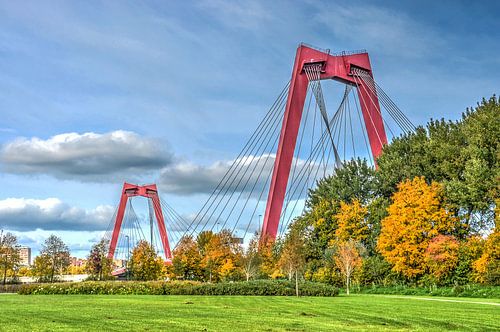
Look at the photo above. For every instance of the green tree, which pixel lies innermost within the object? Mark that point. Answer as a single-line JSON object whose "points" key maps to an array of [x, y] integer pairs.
{"points": [[468, 252], [355, 180], [462, 155], [375, 270], [145, 264], [9, 254], [475, 192], [98, 265]]}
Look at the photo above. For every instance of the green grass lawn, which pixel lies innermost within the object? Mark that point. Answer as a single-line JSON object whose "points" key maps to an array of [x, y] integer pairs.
{"points": [[240, 313]]}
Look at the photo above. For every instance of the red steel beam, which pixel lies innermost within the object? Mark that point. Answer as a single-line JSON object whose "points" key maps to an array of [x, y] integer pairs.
{"points": [[337, 67]]}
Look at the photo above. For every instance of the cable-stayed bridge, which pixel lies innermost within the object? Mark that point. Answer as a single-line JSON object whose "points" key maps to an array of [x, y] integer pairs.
{"points": [[298, 141]]}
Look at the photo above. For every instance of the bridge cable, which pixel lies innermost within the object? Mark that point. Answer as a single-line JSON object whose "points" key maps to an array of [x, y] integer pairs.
{"points": [[239, 159], [249, 146]]}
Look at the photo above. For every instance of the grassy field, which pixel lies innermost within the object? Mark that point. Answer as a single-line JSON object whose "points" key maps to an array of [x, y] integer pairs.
{"points": [[238, 313]]}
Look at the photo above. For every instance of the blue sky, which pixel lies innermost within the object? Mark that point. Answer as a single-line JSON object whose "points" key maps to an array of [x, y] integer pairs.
{"points": [[95, 93]]}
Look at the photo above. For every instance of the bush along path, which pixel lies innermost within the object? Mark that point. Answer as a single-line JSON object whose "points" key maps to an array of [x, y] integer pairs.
{"points": [[257, 287]]}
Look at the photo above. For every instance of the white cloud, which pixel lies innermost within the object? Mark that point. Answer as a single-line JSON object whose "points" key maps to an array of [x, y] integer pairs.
{"points": [[23, 214], [89, 156], [187, 178]]}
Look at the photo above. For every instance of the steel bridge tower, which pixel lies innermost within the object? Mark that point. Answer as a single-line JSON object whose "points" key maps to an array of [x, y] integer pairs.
{"points": [[337, 67]]}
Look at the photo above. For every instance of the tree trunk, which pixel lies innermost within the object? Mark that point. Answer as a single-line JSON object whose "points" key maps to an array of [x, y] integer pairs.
{"points": [[297, 283], [348, 277], [52, 271]]}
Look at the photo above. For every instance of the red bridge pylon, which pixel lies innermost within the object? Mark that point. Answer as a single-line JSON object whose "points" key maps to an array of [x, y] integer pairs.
{"points": [[342, 68], [151, 192]]}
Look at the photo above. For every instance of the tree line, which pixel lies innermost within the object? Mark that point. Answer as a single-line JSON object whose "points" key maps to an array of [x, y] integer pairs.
{"points": [[427, 215]]}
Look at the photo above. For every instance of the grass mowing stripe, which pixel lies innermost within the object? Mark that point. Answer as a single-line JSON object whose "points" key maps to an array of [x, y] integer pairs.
{"points": [[441, 300]]}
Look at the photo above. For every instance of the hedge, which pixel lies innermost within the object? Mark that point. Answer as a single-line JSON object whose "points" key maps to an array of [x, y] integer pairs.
{"points": [[257, 287], [456, 291], [10, 288]]}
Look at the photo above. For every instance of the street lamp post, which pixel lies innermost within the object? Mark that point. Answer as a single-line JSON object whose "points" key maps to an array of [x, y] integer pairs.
{"points": [[260, 227], [128, 255]]}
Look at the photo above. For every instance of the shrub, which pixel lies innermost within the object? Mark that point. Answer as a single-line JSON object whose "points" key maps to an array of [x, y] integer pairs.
{"points": [[10, 288], [255, 287], [459, 291]]}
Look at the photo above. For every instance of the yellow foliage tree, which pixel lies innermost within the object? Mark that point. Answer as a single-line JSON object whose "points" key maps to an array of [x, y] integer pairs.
{"points": [[187, 260], [322, 216], [268, 264], [145, 264], [487, 267], [292, 258], [220, 254], [352, 223], [416, 215], [227, 268], [73, 269]]}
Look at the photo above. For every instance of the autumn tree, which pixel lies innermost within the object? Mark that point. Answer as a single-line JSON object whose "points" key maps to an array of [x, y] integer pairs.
{"points": [[352, 222], [462, 155], [9, 254], [442, 257], [203, 239], [292, 259], [250, 258], [54, 259], [186, 263], [24, 271], [269, 256], [98, 265], [75, 269], [348, 258], [469, 251], [355, 181], [487, 267], [416, 215], [220, 256], [145, 264], [42, 268], [321, 218]]}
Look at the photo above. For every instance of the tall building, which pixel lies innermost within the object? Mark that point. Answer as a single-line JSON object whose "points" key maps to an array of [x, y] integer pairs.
{"points": [[25, 255], [75, 261]]}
